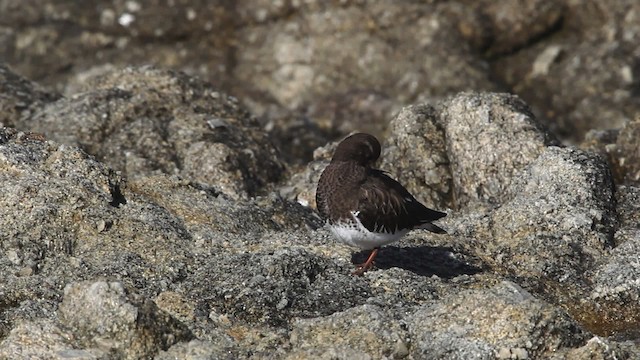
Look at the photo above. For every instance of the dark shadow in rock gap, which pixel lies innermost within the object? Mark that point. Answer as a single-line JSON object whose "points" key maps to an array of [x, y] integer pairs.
{"points": [[421, 260]]}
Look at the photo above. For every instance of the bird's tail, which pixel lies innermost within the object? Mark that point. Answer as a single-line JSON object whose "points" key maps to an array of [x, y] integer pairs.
{"points": [[433, 228]]}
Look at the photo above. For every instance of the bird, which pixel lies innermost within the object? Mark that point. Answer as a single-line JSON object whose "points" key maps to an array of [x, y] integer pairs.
{"points": [[364, 207]]}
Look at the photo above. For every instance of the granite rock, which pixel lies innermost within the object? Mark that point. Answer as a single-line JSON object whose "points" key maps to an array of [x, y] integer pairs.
{"points": [[118, 321], [144, 120], [162, 264]]}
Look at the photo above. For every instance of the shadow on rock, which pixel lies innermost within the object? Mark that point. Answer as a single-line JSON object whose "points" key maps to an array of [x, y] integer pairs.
{"points": [[421, 260]]}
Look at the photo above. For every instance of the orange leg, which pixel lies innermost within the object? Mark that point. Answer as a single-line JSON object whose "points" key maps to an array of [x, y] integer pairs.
{"points": [[362, 268]]}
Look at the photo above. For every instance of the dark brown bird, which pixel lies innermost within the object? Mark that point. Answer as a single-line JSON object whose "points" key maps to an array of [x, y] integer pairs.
{"points": [[364, 207]]}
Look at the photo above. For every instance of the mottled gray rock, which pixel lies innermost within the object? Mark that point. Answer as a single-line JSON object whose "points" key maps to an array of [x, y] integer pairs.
{"points": [[350, 64], [248, 276], [555, 224], [118, 321], [194, 350], [626, 153], [366, 329], [141, 120], [353, 53], [612, 307], [415, 154], [489, 139], [44, 340], [503, 26], [501, 321], [50, 41], [586, 66], [273, 287], [301, 186], [598, 348], [19, 97]]}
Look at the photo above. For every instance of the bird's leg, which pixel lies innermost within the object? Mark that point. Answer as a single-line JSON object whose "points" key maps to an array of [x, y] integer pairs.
{"points": [[362, 268]]}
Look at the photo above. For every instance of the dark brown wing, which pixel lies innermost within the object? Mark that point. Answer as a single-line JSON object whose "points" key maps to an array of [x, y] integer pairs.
{"points": [[385, 205]]}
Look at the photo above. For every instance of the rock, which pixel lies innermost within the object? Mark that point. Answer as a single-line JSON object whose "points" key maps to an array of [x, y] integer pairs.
{"points": [[415, 154], [194, 350], [611, 308], [301, 186], [493, 322], [557, 224], [273, 287], [626, 153], [366, 329], [51, 41], [574, 65], [600, 349], [503, 27], [238, 268], [107, 316], [19, 97], [350, 65], [141, 120], [506, 138], [356, 58], [44, 339]]}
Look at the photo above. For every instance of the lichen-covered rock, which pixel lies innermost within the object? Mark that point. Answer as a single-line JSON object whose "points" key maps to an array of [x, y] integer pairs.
{"points": [[273, 287], [195, 350], [558, 223], [365, 329], [415, 154], [625, 153], [141, 120], [489, 139], [501, 321], [121, 322], [19, 97], [44, 339], [612, 305], [351, 54]]}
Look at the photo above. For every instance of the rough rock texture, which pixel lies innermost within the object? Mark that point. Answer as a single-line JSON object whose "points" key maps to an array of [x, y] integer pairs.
{"points": [[349, 64], [297, 60], [44, 340], [503, 319], [616, 285], [558, 223], [19, 97], [122, 323], [584, 73], [143, 120], [366, 329], [191, 221], [489, 138], [415, 154]]}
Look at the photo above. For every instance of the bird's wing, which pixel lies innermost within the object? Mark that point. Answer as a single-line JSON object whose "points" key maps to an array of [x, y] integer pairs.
{"points": [[385, 204]]}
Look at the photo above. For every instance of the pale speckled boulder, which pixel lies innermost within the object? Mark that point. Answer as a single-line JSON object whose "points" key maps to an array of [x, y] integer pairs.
{"points": [[118, 321], [367, 329], [44, 339], [415, 154], [500, 321], [489, 139], [145, 120]]}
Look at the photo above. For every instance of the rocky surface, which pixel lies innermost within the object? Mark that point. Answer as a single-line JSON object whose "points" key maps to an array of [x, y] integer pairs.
{"points": [[352, 64], [140, 121], [145, 213]]}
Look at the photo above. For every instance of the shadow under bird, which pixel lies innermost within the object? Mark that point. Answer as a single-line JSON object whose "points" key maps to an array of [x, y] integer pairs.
{"points": [[363, 206]]}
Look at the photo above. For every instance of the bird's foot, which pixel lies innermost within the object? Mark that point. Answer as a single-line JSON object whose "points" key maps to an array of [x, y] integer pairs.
{"points": [[362, 268], [367, 265]]}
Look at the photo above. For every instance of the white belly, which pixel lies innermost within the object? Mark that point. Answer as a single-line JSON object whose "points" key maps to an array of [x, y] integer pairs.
{"points": [[357, 235]]}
